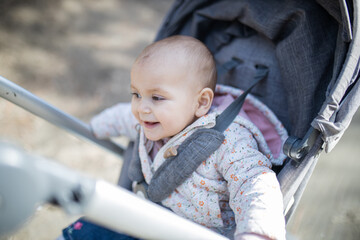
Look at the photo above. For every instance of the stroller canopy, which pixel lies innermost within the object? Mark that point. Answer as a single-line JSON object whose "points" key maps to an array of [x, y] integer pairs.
{"points": [[308, 46]]}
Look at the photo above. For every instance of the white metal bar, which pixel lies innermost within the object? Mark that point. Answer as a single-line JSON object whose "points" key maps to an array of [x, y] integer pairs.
{"points": [[37, 106], [125, 212]]}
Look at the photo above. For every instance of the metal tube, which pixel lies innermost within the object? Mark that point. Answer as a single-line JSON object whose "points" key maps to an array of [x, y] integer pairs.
{"points": [[125, 212], [42, 109]]}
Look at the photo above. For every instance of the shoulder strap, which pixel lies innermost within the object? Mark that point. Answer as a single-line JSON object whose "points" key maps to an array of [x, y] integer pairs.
{"points": [[228, 115]]}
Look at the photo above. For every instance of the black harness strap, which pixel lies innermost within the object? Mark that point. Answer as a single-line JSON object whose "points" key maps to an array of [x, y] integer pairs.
{"points": [[229, 114]]}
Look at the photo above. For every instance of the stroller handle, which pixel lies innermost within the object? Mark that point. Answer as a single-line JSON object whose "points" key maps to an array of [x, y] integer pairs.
{"points": [[40, 108]]}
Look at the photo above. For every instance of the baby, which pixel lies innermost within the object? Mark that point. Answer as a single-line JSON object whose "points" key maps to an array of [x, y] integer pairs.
{"points": [[174, 93]]}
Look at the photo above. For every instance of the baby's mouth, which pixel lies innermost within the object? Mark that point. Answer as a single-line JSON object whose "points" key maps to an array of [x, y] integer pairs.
{"points": [[150, 124]]}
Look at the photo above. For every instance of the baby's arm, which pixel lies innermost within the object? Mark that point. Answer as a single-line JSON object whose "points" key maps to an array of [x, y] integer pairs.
{"points": [[114, 122], [255, 195]]}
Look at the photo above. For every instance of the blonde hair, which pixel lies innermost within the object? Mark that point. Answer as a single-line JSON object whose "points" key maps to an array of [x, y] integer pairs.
{"points": [[197, 55]]}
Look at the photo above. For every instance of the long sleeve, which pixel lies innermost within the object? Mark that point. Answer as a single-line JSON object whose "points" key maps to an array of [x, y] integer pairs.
{"points": [[255, 195], [115, 121]]}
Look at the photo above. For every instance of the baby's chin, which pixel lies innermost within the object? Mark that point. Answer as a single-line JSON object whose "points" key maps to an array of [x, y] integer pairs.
{"points": [[152, 137], [155, 138]]}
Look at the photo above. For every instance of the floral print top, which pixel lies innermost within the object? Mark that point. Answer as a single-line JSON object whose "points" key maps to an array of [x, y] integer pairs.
{"points": [[234, 191]]}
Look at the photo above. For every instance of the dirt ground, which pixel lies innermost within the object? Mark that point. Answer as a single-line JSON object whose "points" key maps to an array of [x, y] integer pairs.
{"points": [[76, 55]]}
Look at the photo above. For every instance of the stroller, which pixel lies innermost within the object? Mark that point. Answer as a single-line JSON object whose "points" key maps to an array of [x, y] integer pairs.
{"points": [[311, 50]]}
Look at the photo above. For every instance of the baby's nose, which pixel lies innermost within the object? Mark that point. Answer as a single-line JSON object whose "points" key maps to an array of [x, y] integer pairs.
{"points": [[144, 107]]}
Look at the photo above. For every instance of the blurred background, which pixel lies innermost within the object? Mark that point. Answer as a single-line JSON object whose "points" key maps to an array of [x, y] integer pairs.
{"points": [[77, 56]]}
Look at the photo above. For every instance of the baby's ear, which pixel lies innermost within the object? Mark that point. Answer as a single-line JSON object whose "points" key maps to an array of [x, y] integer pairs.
{"points": [[205, 99]]}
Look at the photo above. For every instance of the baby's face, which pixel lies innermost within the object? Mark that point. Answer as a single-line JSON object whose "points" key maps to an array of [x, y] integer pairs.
{"points": [[164, 99]]}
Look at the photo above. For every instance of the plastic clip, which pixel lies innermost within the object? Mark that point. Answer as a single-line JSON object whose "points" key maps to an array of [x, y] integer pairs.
{"points": [[296, 148]]}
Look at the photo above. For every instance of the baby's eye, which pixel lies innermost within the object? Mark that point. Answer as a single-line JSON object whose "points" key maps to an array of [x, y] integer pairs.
{"points": [[136, 95], [158, 98]]}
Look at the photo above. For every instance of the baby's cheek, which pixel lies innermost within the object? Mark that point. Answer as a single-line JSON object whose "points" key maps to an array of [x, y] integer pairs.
{"points": [[134, 112]]}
